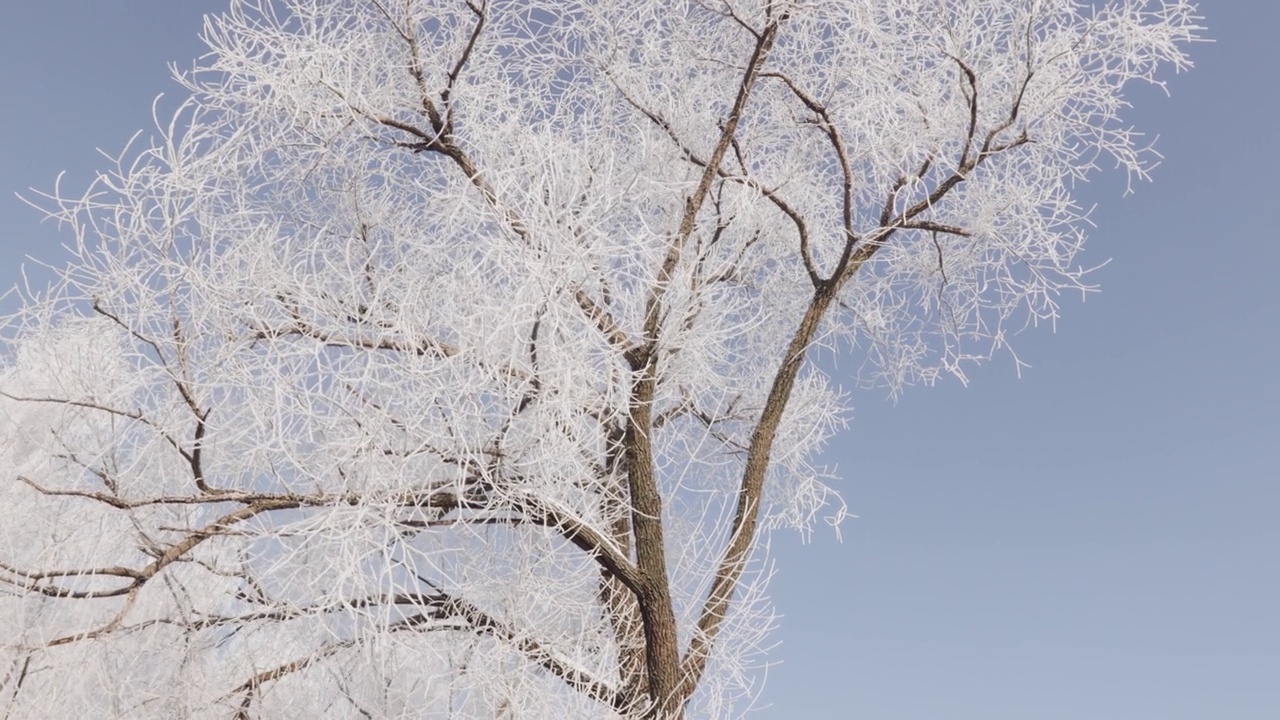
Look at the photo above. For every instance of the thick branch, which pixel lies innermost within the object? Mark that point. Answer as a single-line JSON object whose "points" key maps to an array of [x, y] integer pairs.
{"points": [[746, 517], [440, 609], [663, 659], [694, 203]]}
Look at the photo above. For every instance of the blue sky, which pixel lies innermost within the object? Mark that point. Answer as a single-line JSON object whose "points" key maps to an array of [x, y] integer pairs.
{"points": [[1094, 540]]}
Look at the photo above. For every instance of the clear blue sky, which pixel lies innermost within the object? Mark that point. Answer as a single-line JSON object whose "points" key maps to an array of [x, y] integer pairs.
{"points": [[1097, 539]]}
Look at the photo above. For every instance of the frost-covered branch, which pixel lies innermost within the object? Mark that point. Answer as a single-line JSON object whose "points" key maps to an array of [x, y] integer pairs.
{"points": [[450, 358]]}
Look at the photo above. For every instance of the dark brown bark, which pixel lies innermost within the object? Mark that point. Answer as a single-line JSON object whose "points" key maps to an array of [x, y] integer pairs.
{"points": [[746, 517], [662, 652], [662, 645], [620, 604]]}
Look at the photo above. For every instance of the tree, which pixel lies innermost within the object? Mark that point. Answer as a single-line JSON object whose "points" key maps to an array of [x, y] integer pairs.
{"points": [[455, 359]]}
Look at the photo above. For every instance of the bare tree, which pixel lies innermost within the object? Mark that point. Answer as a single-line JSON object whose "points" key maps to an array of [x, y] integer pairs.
{"points": [[451, 358]]}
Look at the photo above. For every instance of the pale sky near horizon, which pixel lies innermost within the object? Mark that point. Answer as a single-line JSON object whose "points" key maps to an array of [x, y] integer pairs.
{"points": [[1096, 539]]}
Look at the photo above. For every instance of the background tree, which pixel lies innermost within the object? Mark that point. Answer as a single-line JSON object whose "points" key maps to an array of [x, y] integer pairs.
{"points": [[449, 359]]}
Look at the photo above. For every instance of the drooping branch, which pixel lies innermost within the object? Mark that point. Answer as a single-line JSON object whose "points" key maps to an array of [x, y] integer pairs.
{"points": [[527, 508], [32, 581], [442, 611], [134, 415]]}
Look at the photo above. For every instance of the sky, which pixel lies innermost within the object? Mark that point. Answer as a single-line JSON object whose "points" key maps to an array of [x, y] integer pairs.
{"points": [[1094, 539]]}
